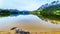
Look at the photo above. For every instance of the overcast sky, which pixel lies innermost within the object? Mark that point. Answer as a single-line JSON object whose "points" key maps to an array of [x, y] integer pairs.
{"points": [[23, 4]]}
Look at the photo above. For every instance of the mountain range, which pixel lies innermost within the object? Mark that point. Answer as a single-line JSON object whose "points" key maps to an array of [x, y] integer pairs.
{"points": [[48, 5]]}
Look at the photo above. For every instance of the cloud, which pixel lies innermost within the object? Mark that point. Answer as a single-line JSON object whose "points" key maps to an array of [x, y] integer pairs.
{"points": [[1, 3], [22, 4]]}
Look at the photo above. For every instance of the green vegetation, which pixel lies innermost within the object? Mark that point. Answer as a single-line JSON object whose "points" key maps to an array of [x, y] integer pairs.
{"points": [[52, 13], [4, 13], [7, 12]]}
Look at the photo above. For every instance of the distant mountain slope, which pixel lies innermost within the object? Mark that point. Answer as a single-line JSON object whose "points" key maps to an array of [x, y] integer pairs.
{"points": [[50, 11], [47, 5], [14, 10]]}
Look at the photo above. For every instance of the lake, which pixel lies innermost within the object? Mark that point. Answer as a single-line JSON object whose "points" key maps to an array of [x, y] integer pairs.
{"points": [[26, 22]]}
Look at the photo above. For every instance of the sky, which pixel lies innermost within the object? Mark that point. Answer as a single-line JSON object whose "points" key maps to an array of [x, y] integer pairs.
{"points": [[23, 4]]}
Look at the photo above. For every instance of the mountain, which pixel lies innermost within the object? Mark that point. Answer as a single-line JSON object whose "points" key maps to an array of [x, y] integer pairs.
{"points": [[50, 12], [47, 5], [14, 10]]}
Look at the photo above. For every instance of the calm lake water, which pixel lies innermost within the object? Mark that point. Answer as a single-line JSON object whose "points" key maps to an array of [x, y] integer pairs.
{"points": [[25, 22]]}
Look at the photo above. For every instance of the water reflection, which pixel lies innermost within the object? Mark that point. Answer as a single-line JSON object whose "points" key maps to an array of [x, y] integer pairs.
{"points": [[15, 21], [6, 15], [26, 22]]}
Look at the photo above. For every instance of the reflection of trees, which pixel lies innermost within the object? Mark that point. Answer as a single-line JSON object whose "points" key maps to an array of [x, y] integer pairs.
{"points": [[50, 13], [55, 22], [6, 12]]}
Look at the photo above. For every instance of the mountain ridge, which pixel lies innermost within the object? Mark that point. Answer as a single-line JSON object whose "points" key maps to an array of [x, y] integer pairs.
{"points": [[48, 5]]}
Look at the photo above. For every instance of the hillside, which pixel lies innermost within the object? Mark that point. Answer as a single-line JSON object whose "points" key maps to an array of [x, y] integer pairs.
{"points": [[51, 12]]}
